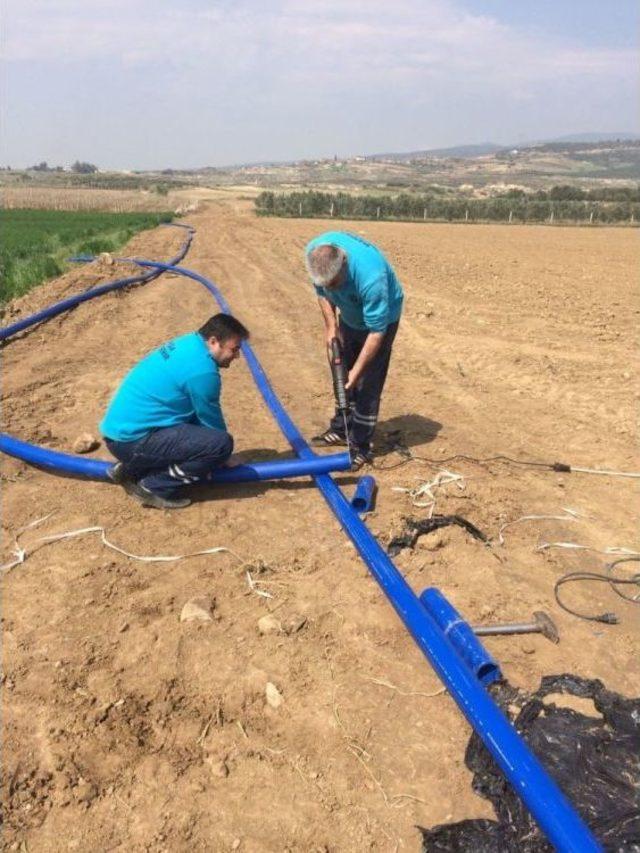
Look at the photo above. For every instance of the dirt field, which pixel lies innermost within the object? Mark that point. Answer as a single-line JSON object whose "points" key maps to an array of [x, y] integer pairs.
{"points": [[125, 728]]}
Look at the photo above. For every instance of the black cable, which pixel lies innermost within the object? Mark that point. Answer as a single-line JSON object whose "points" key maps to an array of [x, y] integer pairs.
{"points": [[636, 578], [606, 618]]}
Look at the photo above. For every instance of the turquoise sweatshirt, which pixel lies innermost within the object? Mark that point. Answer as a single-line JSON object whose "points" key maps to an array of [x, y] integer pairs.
{"points": [[371, 296], [177, 383]]}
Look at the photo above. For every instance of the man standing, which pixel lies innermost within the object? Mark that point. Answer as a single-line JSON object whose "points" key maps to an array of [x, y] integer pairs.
{"points": [[353, 276], [165, 423]]}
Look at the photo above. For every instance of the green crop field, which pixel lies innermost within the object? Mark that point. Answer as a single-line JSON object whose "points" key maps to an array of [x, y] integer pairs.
{"points": [[36, 243]]}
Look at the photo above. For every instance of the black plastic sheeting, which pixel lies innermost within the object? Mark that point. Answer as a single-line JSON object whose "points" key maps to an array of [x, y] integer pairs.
{"points": [[595, 760], [419, 527]]}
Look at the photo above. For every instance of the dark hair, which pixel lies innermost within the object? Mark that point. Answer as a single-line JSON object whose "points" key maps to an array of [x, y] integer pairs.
{"points": [[222, 327]]}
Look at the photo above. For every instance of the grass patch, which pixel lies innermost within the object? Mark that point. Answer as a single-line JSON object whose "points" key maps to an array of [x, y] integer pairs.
{"points": [[36, 243]]}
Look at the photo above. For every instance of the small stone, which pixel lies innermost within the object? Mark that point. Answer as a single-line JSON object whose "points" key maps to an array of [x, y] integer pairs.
{"points": [[124, 627], [236, 844], [198, 610], [217, 767], [85, 792], [528, 650], [268, 625], [85, 443], [274, 697], [294, 624]]}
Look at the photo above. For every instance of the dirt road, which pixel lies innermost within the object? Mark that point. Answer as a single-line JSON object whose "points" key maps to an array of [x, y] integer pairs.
{"points": [[125, 729]]}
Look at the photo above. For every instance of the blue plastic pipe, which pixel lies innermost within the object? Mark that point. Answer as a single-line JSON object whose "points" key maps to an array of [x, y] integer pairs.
{"points": [[364, 495], [98, 469], [72, 301], [554, 814], [461, 636], [564, 828]]}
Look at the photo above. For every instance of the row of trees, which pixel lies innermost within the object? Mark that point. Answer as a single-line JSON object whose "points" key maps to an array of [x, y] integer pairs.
{"points": [[415, 207], [566, 192], [79, 167]]}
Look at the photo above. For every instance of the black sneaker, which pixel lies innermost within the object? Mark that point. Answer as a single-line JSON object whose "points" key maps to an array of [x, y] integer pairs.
{"points": [[360, 458], [151, 499], [329, 438]]}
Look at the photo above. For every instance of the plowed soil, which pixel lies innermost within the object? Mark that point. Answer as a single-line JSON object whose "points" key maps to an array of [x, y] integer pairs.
{"points": [[127, 729]]}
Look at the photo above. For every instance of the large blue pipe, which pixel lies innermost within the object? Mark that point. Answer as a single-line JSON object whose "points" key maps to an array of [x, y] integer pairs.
{"points": [[97, 469], [72, 301], [557, 819], [551, 809]]}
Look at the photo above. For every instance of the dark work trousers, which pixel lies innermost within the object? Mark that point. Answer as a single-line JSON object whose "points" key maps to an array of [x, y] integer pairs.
{"points": [[170, 458], [365, 397]]}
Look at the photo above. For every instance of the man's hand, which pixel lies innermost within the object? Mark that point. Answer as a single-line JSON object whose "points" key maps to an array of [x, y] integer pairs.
{"points": [[335, 333], [352, 379], [372, 344]]}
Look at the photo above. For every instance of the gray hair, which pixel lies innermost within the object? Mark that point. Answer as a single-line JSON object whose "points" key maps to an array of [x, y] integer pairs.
{"points": [[324, 263]]}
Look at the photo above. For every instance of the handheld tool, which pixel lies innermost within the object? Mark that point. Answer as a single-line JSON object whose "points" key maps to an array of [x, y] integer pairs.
{"points": [[339, 375], [542, 624]]}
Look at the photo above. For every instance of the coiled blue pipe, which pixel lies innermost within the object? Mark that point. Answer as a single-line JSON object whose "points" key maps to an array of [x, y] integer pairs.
{"points": [[97, 469], [460, 635], [544, 799], [560, 823], [364, 495], [72, 301]]}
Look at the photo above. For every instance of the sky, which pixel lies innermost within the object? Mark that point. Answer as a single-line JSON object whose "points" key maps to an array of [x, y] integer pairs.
{"points": [[147, 84]]}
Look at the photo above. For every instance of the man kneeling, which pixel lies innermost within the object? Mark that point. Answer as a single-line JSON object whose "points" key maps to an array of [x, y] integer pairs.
{"points": [[165, 424]]}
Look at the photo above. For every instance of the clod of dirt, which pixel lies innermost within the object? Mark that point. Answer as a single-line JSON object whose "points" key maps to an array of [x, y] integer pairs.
{"points": [[268, 625], [274, 697], [294, 624], [198, 610], [217, 766], [85, 443], [85, 792]]}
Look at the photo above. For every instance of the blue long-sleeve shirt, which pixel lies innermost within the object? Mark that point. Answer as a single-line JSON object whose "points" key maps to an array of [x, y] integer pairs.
{"points": [[175, 384], [371, 296]]}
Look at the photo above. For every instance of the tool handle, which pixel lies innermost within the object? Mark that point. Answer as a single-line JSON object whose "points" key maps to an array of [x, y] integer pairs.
{"points": [[339, 375]]}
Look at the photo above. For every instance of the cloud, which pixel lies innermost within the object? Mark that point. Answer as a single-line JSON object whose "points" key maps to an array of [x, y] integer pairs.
{"points": [[287, 78], [366, 41]]}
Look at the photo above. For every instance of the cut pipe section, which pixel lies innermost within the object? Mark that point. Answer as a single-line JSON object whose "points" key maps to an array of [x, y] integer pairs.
{"points": [[364, 496], [461, 636]]}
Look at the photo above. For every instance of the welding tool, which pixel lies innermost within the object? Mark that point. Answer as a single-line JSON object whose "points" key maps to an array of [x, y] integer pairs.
{"points": [[542, 624], [339, 375]]}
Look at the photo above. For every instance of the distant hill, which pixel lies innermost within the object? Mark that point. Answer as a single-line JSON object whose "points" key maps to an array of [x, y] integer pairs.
{"points": [[596, 137], [483, 149], [462, 151]]}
